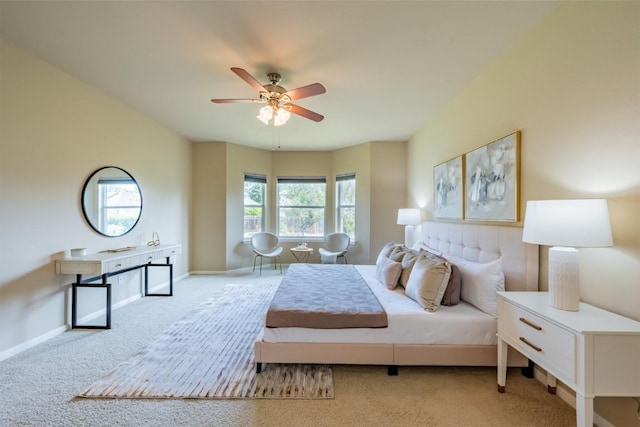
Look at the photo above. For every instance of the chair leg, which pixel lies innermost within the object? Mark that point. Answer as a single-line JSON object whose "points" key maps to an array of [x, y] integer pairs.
{"points": [[261, 265], [254, 263]]}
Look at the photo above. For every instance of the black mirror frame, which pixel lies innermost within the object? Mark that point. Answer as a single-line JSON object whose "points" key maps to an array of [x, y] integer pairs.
{"points": [[82, 203]]}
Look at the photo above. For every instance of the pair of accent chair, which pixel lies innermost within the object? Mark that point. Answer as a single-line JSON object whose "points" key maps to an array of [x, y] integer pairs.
{"points": [[266, 245]]}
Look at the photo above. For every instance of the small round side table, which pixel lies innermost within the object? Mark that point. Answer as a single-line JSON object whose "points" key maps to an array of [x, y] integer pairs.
{"points": [[301, 254]]}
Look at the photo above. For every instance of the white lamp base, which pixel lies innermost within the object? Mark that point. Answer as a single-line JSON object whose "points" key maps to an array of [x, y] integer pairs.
{"points": [[564, 278], [408, 236]]}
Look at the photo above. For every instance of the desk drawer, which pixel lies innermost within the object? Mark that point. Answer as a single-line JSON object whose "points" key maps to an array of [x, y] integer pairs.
{"points": [[117, 265], [551, 346]]}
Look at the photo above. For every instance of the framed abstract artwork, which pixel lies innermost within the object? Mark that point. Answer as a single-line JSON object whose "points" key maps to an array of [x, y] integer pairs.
{"points": [[492, 180], [448, 181]]}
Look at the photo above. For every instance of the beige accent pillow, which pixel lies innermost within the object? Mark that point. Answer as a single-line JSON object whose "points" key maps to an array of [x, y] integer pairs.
{"points": [[398, 253], [454, 287], [388, 272], [408, 262], [428, 281], [385, 251]]}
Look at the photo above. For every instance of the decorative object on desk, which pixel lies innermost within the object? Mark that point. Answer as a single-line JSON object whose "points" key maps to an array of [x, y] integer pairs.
{"points": [[448, 180], [302, 245], [566, 224], [155, 240], [492, 175], [78, 252], [111, 201], [408, 218], [122, 249]]}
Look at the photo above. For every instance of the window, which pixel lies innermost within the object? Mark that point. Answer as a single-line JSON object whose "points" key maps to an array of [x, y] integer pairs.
{"points": [[301, 206], [254, 194], [119, 205], [346, 204]]}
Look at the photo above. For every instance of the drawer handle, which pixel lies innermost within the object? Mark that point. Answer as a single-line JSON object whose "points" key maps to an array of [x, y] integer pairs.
{"points": [[534, 326], [535, 347], [118, 265], [150, 258]]}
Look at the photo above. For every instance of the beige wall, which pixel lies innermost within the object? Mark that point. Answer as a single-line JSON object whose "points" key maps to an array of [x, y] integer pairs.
{"points": [[572, 86], [388, 193], [208, 209], [218, 177], [54, 132]]}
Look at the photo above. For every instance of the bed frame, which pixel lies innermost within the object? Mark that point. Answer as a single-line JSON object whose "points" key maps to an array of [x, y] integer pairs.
{"points": [[473, 242]]}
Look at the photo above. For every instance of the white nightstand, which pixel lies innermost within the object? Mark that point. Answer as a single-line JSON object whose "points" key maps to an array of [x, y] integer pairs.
{"points": [[592, 351]]}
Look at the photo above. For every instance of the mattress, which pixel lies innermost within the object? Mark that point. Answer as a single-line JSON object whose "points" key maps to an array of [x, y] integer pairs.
{"points": [[408, 323]]}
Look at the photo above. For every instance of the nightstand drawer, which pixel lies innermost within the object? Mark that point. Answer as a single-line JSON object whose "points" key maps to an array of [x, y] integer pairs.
{"points": [[539, 339]]}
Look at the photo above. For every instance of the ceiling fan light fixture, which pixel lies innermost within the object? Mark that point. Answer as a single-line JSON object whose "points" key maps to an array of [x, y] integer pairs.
{"points": [[265, 114], [278, 99], [281, 117]]}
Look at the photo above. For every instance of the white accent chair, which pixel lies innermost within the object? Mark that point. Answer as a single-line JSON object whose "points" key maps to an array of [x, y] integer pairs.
{"points": [[336, 246], [265, 245]]}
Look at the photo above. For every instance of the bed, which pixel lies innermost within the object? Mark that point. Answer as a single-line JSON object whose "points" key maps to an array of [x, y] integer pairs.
{"points": [[458, 335]]}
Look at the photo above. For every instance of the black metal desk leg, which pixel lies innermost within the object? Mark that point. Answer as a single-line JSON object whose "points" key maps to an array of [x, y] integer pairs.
{"points": [[146, 279], [74, 304]]}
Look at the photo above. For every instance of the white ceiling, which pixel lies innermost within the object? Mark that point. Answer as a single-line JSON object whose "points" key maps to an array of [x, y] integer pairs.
{"points": [[387, 65]]}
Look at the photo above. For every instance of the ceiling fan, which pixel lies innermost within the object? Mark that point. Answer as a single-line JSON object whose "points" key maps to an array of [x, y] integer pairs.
{"points": [[277, 98]]}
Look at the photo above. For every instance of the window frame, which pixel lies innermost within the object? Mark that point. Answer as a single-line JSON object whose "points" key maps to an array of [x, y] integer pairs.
{"points": [[105, 208], [261, 179], [340, 206], [300, 180]]}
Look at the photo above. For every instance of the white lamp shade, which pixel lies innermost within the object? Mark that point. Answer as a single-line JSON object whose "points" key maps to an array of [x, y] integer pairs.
{"points": [[570, 223], [281, 117], [408, 216]]}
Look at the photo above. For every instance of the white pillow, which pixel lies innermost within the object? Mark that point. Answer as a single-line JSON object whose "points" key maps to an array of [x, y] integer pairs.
{"points": [[417, 245], [480, 282]]}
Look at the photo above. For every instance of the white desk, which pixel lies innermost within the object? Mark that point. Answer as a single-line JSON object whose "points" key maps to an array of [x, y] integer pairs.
{"points": [[592, 351], [110, 263]]}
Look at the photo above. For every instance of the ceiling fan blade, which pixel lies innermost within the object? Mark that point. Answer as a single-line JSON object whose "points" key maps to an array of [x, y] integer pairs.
{"points": [[229, 101], [296, 109], [249, 79], [306, 91]]}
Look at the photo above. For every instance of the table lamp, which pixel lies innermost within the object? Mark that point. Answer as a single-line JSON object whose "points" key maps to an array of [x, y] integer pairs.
{"points": [[565, 225], [408, 218]]}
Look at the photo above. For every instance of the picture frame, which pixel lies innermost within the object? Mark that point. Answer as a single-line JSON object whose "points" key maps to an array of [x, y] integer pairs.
{"points": [[448, 189], [492, 180]]}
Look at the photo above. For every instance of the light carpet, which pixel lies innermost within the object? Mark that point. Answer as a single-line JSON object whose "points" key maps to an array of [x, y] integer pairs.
{"points": [[208, 354]]}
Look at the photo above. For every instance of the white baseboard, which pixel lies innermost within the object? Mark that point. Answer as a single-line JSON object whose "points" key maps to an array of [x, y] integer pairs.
{"points": [[568, 396], [32, 343], [10, 352], [207, 273], [102, 312]]}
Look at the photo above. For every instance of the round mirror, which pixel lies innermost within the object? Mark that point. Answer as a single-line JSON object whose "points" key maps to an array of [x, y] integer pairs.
{"points": [[111, 201]]}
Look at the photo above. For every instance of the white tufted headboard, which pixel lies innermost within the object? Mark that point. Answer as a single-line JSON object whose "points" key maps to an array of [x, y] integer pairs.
{"points": [[485, 243]]}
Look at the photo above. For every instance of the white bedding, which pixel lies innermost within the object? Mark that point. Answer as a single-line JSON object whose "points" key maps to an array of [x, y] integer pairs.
{"points": [[408, 323]]}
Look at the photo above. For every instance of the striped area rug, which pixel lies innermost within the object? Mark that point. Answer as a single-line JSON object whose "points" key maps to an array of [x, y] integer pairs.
{"points": [[209, 355]]}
